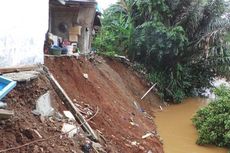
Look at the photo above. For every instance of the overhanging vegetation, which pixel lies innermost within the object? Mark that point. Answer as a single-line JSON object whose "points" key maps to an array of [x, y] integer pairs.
{"points": [[182, 43]]}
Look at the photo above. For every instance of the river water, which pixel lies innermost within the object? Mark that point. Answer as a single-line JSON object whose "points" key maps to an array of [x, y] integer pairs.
{"points": [[177, 131]]}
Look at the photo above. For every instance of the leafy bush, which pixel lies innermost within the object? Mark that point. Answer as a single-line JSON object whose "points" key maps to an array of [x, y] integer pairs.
{"points": [[213, 121], [107, 54]]}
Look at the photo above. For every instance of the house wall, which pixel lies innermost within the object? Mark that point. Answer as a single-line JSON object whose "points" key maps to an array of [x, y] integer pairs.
{"points": [[62, 14], [22, 33], [82, 15], [86, 19]]}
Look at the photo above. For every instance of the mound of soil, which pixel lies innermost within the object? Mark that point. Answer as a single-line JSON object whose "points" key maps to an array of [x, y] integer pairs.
{"points": [[112, 87], [26, 127]]}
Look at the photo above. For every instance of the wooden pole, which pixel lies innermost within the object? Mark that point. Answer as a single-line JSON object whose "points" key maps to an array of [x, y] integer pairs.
{"points": [[148, 91], [69, 103]]}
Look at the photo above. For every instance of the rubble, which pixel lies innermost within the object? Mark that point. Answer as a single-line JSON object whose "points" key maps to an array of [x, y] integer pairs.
{"points": [[70, 129], [43, 105], [69, 115], [3, 105], [98, 147], [41, 134]]}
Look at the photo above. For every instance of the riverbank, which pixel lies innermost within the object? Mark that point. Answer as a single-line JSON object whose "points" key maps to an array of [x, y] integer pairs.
{"points": [[177, 131]]}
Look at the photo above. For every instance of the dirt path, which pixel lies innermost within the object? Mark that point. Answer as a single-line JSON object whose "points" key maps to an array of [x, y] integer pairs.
{"points": [[112, 87]]}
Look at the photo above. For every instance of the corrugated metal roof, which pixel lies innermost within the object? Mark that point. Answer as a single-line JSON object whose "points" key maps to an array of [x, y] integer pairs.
{"points": [[79, 1], [76, 2], [90, 1]]}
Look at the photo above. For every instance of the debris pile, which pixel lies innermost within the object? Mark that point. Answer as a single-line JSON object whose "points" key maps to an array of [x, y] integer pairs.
{"points": [[41, 121]]}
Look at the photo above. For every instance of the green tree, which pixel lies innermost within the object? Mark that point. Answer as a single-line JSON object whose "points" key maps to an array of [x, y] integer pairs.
{"points": [[182, 43]]}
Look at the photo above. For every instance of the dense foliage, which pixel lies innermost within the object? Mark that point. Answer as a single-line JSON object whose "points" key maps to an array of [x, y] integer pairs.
{"points": [[213, 121], [182, 43]]}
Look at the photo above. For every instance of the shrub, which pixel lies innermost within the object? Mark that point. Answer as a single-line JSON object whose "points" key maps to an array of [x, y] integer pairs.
{"points": [[213, 121]]}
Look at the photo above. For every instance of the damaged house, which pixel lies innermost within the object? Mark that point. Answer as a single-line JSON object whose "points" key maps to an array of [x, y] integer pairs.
{"points": [[72, 21], [25, 28]]}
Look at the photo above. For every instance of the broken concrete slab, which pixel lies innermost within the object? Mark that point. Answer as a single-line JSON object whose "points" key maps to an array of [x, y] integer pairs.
{"points": [[70, 129], [69, 115], [58, 116], [98, 147], [6, 114], [43, 106], [22, 76]]}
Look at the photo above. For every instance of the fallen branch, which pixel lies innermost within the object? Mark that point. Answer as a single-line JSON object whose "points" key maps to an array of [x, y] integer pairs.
{"points": [[49, 138]]}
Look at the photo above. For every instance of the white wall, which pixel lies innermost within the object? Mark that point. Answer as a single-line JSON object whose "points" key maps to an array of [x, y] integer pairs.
{"points": [[22, 31], [85, 18]]}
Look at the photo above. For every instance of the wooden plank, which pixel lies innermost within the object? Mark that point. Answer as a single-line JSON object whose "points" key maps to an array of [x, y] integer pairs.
{"points": [[69, 103], [6, 114], [17, 69]]}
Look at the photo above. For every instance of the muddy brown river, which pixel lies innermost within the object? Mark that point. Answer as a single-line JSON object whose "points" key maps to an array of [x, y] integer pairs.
{"points": [[177, 131]]}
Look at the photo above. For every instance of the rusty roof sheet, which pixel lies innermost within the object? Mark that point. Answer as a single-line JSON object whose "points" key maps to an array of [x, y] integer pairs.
{"points": [[87, 1], [76, 1]]}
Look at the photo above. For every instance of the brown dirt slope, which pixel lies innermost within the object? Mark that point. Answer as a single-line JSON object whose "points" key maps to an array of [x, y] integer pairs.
{"points": [[112, 87]]}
